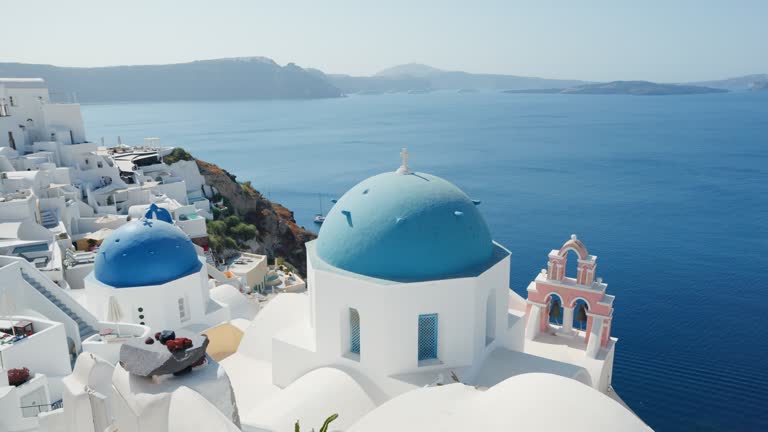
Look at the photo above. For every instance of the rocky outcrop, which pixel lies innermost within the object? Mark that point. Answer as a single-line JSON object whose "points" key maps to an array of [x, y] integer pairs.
{"points": [[278, 234]]}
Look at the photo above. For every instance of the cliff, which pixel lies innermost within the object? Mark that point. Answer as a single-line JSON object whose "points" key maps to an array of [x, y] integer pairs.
{"points": [[277, 235]]}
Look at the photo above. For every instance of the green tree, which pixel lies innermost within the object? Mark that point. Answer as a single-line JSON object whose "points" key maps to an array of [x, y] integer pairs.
{"points": [[581, 315], [243, 231], [214, 242], [555, 312], [217, 227], [232, 221]]}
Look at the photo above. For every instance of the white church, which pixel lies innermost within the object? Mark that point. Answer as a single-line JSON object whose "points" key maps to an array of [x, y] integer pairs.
{"points": [[409, 324]]}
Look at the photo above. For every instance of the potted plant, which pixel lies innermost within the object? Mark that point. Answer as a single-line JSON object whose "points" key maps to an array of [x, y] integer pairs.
{"points": [[18, 376]]}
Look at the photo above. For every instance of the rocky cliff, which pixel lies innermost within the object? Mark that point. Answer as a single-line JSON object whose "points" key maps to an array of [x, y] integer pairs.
{"points": [[278, 234]]}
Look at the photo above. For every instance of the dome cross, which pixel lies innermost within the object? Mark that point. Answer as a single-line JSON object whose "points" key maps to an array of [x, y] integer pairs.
{"points": [[404, 167]]}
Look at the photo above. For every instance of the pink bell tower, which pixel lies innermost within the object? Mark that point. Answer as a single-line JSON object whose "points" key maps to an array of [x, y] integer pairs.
{"points": [[572, 292]]}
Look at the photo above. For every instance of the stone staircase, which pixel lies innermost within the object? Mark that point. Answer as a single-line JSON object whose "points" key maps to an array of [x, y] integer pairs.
{"points": [[85, 329], [49, 218]]}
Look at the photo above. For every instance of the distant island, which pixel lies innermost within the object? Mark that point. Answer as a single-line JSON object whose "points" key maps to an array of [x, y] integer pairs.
{"points": [[416, 77], [746, 82], [637, 88], [244, 78], [224, 79]]}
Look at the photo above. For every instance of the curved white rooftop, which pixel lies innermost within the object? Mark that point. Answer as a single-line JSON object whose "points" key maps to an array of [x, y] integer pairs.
{"points": [[311, 399], [540, 402]]}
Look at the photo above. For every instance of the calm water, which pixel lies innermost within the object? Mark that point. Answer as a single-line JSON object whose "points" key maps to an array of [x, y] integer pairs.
{"points": [[669, 193]]}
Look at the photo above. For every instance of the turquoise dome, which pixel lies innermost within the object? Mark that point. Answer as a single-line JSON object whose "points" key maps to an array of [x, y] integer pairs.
{"points": [[405, 227], [145, 253]]}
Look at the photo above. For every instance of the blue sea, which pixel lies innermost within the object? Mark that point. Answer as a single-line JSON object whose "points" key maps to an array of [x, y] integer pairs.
{"points": [[671, 193]]}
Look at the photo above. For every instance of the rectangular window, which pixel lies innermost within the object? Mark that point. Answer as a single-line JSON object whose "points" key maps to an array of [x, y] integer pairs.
{"points": [[354, 331], [183, 312], [427, 337]]}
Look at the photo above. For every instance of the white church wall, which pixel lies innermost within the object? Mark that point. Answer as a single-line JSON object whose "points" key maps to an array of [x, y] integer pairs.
{"points": [[389, 316], [159, 303]]}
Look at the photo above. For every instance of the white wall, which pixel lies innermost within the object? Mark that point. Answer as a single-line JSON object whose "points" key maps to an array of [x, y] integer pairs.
{"points": [[11, 419], [65, 117], [159, 303], [20, 209], [190, 173], [45, 352], [389, 314], [176, 190]]}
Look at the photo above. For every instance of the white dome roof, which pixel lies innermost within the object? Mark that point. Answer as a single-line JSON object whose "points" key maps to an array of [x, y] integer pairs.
{"points": [[525, 402]]}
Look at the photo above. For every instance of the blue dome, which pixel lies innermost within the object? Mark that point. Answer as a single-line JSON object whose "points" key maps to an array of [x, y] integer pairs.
{"points": [[405, 227], [159, 213], [145, 253]]}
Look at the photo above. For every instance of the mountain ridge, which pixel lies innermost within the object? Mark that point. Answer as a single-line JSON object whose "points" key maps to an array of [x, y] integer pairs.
{"points": [[238, 78]]}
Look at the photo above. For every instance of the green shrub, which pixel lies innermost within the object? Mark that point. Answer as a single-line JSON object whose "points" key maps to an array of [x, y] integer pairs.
{"points": [[176, 155], [243, 232], [232, 221]]}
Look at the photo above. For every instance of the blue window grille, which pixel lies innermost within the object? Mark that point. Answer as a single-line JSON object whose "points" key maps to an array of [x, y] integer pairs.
{"points": [[427, 337], [354, 331]]}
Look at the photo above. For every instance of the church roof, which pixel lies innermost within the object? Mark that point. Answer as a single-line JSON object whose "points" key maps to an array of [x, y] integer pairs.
{"points": [[405, 225], [143, 253]]}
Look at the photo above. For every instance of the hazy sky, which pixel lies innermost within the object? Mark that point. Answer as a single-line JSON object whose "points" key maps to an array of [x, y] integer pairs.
{"points": [[670, 40]]}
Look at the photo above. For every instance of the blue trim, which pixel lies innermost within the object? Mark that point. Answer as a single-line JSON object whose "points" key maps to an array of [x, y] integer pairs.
{"points": [[159, 213], [354, 331], [428, 327]]}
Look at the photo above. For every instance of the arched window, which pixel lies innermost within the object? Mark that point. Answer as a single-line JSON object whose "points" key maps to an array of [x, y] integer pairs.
{"points": [[555, 309], [354, 331], [490, 318], [572, 264], [427, 337], [580, 309]]}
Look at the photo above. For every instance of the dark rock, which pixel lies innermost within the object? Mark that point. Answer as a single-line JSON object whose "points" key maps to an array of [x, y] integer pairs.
{"points": [[145, 360], [167, 335]]}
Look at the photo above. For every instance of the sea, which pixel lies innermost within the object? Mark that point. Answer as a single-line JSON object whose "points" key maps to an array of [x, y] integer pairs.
{"points": [[670, 192]]}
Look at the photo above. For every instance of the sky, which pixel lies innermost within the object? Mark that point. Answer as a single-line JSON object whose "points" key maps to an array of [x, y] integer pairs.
{"points": [[600, 40]]}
